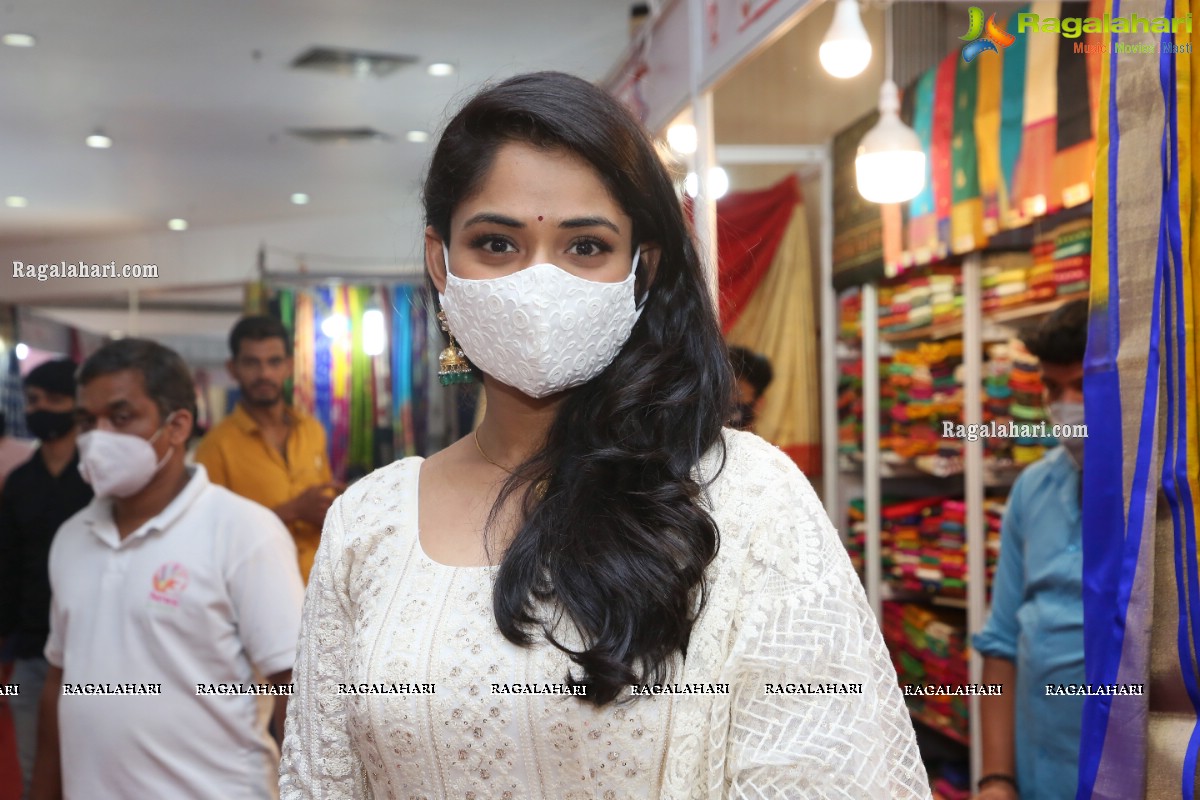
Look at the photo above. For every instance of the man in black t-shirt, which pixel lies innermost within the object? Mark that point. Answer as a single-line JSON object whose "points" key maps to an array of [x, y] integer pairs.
{"points": [[38, 497]]}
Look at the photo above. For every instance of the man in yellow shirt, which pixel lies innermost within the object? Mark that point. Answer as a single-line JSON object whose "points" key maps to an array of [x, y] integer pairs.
{"points": [[266, 450]]}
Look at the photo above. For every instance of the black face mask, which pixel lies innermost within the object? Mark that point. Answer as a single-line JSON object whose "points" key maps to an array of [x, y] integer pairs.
{"points": [[743, 418], [50, 425]]}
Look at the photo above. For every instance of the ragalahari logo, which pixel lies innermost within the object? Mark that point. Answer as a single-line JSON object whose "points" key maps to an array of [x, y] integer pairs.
{"points": [[981, 37], [168, 583]]}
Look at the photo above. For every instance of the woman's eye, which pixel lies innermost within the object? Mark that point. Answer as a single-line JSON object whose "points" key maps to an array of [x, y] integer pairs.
{"points": [[589, 247], [495, 244]]}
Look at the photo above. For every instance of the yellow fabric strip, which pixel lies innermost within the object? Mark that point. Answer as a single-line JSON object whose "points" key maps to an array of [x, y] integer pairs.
{"points": [[780, 322]]}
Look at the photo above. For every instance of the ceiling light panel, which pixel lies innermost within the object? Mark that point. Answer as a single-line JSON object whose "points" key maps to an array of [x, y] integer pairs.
{"points": [[18, 40], [352, 63], [340, 135]]}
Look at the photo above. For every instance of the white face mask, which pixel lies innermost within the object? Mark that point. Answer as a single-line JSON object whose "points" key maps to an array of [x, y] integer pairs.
{"points": [[541, 329], [119, 464], [1062, 414]]}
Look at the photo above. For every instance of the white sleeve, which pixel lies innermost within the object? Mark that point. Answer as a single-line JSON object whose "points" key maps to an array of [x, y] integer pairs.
{"points": [[319, 762], [56, 640], [267, 594], [806, 622]]}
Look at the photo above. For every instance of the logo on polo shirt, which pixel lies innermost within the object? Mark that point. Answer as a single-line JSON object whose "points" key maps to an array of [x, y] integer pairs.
{"points": [[168, 583]]}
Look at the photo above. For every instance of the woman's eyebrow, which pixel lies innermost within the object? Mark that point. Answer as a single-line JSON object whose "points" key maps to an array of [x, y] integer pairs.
{"points": [[589, 222], [495, 219]]}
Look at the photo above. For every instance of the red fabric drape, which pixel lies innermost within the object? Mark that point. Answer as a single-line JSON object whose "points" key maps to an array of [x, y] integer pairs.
{"points": [[750, 226]]}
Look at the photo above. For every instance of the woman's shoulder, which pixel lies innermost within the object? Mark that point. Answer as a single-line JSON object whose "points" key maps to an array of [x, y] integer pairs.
{"points": [[377, 505], [765, 507], [381, 485], [745, 463]]}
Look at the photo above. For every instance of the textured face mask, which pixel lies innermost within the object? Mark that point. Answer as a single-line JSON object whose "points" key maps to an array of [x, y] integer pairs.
{"points": [[541, 329], [118, 464], [1062, 413]]}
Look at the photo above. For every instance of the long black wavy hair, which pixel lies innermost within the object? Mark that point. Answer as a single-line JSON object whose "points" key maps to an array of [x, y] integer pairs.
{"points": [[618, 545]]}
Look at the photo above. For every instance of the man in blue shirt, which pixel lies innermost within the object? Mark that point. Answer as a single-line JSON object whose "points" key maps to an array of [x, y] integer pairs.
{"points": [[1034, 634]]}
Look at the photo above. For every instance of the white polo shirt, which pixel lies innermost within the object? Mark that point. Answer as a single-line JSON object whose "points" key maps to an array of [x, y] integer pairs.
{"points": [[207, 592]]}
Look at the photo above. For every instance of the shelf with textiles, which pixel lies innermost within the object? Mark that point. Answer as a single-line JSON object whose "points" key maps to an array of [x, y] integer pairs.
{"points": [[1048, 264], [931, 722], [928, 649], [1032, 310], [969, 370], [992, 319], [998, 472], [923, 548]]}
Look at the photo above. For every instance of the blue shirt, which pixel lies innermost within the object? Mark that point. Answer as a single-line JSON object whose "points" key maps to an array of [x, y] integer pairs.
{"points": [[1037, 622]]}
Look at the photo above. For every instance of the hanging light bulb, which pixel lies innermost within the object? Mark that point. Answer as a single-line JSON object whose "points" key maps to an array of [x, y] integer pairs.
{"points": [[846, 50], [890, 165]]}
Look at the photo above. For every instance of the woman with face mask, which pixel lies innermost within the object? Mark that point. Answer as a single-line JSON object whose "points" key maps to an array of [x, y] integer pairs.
{"points": [[600, 592]]}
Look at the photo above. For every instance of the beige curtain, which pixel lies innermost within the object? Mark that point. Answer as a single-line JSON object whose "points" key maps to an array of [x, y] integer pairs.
{"points": [[779, 321]]}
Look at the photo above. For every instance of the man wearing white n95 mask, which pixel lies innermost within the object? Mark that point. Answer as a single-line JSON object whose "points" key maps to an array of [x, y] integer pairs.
{"points": [[164, 584]]}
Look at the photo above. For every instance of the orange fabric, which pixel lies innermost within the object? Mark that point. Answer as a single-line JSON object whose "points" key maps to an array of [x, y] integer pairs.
{"points": [[806, 456], [238, 458]]}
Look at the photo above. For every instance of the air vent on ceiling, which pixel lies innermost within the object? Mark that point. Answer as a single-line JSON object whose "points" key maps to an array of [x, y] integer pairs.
{"points": [[354, 63], [340, 135]]}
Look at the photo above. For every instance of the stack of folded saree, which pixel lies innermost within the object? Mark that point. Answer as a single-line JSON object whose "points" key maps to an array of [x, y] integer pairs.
{"points": [[928, 649], [1005, 279], [1072, 256], [919, 391], [1042, 285], [1027, 406], [849, 315], [850, 407]]}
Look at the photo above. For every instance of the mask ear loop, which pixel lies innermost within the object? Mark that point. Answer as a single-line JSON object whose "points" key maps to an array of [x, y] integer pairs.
{"points": [[170, 450], [637, 256]]}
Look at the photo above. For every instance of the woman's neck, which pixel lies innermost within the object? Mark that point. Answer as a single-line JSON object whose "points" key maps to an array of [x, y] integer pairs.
{"points": [[514, 425]]}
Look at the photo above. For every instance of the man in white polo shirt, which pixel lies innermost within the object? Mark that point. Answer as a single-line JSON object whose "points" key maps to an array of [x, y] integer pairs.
{"points": [[175, 612]]}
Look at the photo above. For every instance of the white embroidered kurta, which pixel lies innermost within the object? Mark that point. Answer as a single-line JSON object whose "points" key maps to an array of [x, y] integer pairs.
{"points": [[405, 687]]}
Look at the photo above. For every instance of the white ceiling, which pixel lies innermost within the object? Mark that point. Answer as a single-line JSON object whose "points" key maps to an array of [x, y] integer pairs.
{"points": [[198, 120]]}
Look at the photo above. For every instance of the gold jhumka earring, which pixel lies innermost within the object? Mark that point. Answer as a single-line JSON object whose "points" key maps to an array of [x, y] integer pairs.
{"points": [[453, 366]]}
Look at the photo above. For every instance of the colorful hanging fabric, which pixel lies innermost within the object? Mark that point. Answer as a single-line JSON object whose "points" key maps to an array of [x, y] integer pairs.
{"points": [[422, 358], [922, 220], [381, 369], [304, 354], [987, 137], [941, 156], [339, 434], [966, 213], [1075, 143], [1034, 184], [283, 306], [1012, 122], [322, 359], [359, 457], [1141, 463], [403, 440]]}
